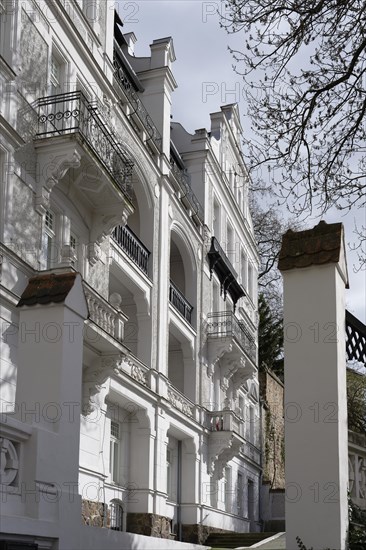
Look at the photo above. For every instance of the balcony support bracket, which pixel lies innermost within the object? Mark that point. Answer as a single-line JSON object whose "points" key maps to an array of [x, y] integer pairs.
{"points": [[223, 447], [52, 169]]}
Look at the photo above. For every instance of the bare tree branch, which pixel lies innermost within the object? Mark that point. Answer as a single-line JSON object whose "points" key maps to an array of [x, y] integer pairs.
{"points": [[304, 64]]}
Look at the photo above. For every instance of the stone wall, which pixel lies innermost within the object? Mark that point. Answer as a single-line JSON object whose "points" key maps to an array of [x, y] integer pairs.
{"points": [[150, 525], [93, 513], [272, 393]]}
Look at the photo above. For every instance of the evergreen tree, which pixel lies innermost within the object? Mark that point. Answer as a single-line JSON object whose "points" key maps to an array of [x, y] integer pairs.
{"points": [[270, 338]]}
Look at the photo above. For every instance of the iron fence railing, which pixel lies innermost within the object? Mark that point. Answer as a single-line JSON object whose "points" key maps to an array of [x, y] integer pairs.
{"points": [[183, 179], [72, 113], [131, 244], [180, 303]]}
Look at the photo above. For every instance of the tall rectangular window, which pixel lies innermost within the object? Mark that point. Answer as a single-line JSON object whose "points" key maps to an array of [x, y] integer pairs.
{"points": [[115, 452], [49, 240], [244, 270], [250, 497], [215, 297], [251, 424], [169, 472], [240, 200], [227, 489], [74, 245], [55, 75], [216, 221], [250, 281], [241, 406], [230, 244], [239, 494]]}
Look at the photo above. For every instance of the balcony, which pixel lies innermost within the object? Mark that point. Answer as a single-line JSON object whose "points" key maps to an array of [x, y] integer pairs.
{"points": [[187, 196], [106, 324], [225, 440], [77, 151], [133, 247], [72, 113], [180, 303], [138, 112], [224, 324], [225, 421], [226, 273]]}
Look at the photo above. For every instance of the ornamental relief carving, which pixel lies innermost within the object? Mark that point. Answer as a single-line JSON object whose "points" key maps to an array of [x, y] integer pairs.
{"points": [[9, 463]]}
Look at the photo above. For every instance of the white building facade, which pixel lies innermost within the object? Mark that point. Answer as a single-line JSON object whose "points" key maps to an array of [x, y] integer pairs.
{"points": [[129, 382]]}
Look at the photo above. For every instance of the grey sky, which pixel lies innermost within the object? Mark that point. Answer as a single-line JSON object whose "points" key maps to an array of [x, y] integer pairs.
{"points": [[206, 80]]}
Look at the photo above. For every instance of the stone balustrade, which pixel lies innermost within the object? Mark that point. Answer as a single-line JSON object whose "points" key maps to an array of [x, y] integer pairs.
{"points": [[225, 420], [104, 315], [180, 401]]}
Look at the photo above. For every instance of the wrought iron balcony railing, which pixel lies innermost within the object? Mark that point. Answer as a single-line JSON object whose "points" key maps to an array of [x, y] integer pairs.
{"points": [[224, 324], [138, 107], [131, 244], [72, 113], [226, 273], [183, 179], [180, 303]]}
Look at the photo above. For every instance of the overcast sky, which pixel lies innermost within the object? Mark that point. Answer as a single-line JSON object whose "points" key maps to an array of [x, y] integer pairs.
{"points": [[206, 80]]}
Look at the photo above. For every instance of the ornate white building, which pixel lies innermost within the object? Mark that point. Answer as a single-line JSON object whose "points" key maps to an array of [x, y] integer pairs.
{"points": [[129, 383]]}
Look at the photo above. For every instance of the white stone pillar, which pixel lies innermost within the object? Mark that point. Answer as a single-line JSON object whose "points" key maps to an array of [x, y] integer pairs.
{"points": [[159, 83], [314, 272], [163, 283], [52, 310]]}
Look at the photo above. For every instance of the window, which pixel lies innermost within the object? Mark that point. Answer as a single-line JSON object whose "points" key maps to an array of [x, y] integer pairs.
{"points": [[73, 243], [250, 497], [169, 472], [216, 220], [251, 424], [114, 452], [250, 280], [244, 268], [230, 245], [241, 406], [239, 494], [55, 75], [49, 242], [116, 516], [215, 297], [240, 200], [172, 462], [73, 249], [49, 219], [91, 9], [227, 490]]}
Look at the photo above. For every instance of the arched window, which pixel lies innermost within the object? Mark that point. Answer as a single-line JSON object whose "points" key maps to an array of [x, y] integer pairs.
{"points": [[116, 516]]}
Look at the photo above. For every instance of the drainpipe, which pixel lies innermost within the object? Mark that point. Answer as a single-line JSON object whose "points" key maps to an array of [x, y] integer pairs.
{"points": [[261, 466], [200, 382], [156, 443], [179, 490]]}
